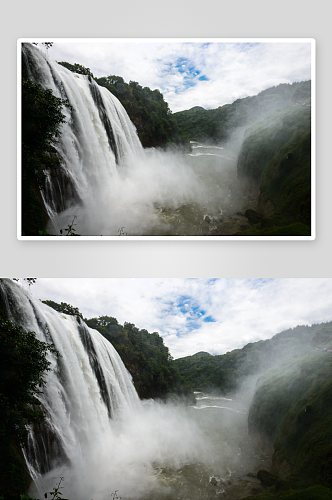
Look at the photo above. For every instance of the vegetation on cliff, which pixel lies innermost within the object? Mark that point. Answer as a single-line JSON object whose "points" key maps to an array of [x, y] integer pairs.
{"points": [[292, 407], [144, 355], [41, 119], [23, 365], [275, 159]]}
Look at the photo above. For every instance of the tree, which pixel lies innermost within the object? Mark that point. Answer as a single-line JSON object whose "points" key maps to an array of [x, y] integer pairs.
{"points": [[47, 45], [77, 68], [29, 281], [63, 308], [41, 121], [23, 364]]}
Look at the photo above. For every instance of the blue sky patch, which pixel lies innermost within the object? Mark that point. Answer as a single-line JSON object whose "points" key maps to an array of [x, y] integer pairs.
{"points": [[209, 319], [187, 69]]}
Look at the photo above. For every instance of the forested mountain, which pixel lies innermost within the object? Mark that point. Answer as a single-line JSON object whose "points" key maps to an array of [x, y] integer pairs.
{"points": [[219, 125], [226, 372], [292, 407]]}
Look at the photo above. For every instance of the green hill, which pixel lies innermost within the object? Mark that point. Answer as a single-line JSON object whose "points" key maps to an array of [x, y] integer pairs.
{"points": [[219, 125], [226, 372]]}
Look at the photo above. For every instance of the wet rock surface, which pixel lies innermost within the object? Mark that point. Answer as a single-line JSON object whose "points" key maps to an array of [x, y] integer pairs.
{"points": [[239, 488], [233, 224]]}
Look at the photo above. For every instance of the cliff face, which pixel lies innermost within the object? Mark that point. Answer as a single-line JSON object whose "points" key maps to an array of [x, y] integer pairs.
{"points": [[275, 161], [292, 407]]}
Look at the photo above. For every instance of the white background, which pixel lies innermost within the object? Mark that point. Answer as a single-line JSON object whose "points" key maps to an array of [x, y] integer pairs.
{"points": [[174, 18]]}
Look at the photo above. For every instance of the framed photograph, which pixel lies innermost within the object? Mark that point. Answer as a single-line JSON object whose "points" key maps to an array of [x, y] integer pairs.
{"points": [[166, 139]]}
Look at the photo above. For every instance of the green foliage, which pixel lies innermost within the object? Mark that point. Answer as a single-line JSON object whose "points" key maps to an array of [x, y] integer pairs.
{"points": [[71, 231], [64, 308], [23, 364], [56, 493], [276, 156], [147, 110], [41, 120], [77, 68]]}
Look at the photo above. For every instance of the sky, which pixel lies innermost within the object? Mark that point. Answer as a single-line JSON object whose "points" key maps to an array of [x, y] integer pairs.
{"points": [[192, 315], [192, 72]]}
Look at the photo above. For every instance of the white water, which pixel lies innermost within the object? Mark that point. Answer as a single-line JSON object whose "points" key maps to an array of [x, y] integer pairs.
{"points": [[112, 185]]}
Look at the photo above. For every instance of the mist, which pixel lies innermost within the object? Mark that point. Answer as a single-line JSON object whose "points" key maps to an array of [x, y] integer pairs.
{"points": [[162, 450], [160, 193]]}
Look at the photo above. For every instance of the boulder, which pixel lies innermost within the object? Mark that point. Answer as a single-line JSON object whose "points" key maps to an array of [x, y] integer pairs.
{"points": [[253, 216], [266, 478]]}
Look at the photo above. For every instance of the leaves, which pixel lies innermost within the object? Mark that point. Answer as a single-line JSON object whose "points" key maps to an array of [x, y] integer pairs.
{"points": [[23, 365]]}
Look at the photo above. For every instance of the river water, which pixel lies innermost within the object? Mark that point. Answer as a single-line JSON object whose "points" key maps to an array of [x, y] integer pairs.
{"points": [[229, 453], [213, 193], [167, 193]]}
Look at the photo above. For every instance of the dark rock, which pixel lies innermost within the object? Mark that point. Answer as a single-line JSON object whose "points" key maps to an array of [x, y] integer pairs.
{"points": [[253, 216], [256, 490], [266, 478]]}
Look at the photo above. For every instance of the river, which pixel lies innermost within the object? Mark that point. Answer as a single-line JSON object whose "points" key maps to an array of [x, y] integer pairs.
{"points": [[214, 193], [230, 453]]}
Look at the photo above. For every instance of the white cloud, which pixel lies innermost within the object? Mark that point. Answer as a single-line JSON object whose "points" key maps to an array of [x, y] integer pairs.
{"points": [[238, 311], [233, 70]]}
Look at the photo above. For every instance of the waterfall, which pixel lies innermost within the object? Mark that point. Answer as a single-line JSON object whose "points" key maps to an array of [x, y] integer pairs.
{"points": [[98, 141], [87, 390]]}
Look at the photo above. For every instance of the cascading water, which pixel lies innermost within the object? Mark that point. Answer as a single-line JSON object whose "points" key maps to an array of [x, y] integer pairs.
{"points": [[86, 388], [96, 137], [109, 182]]}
